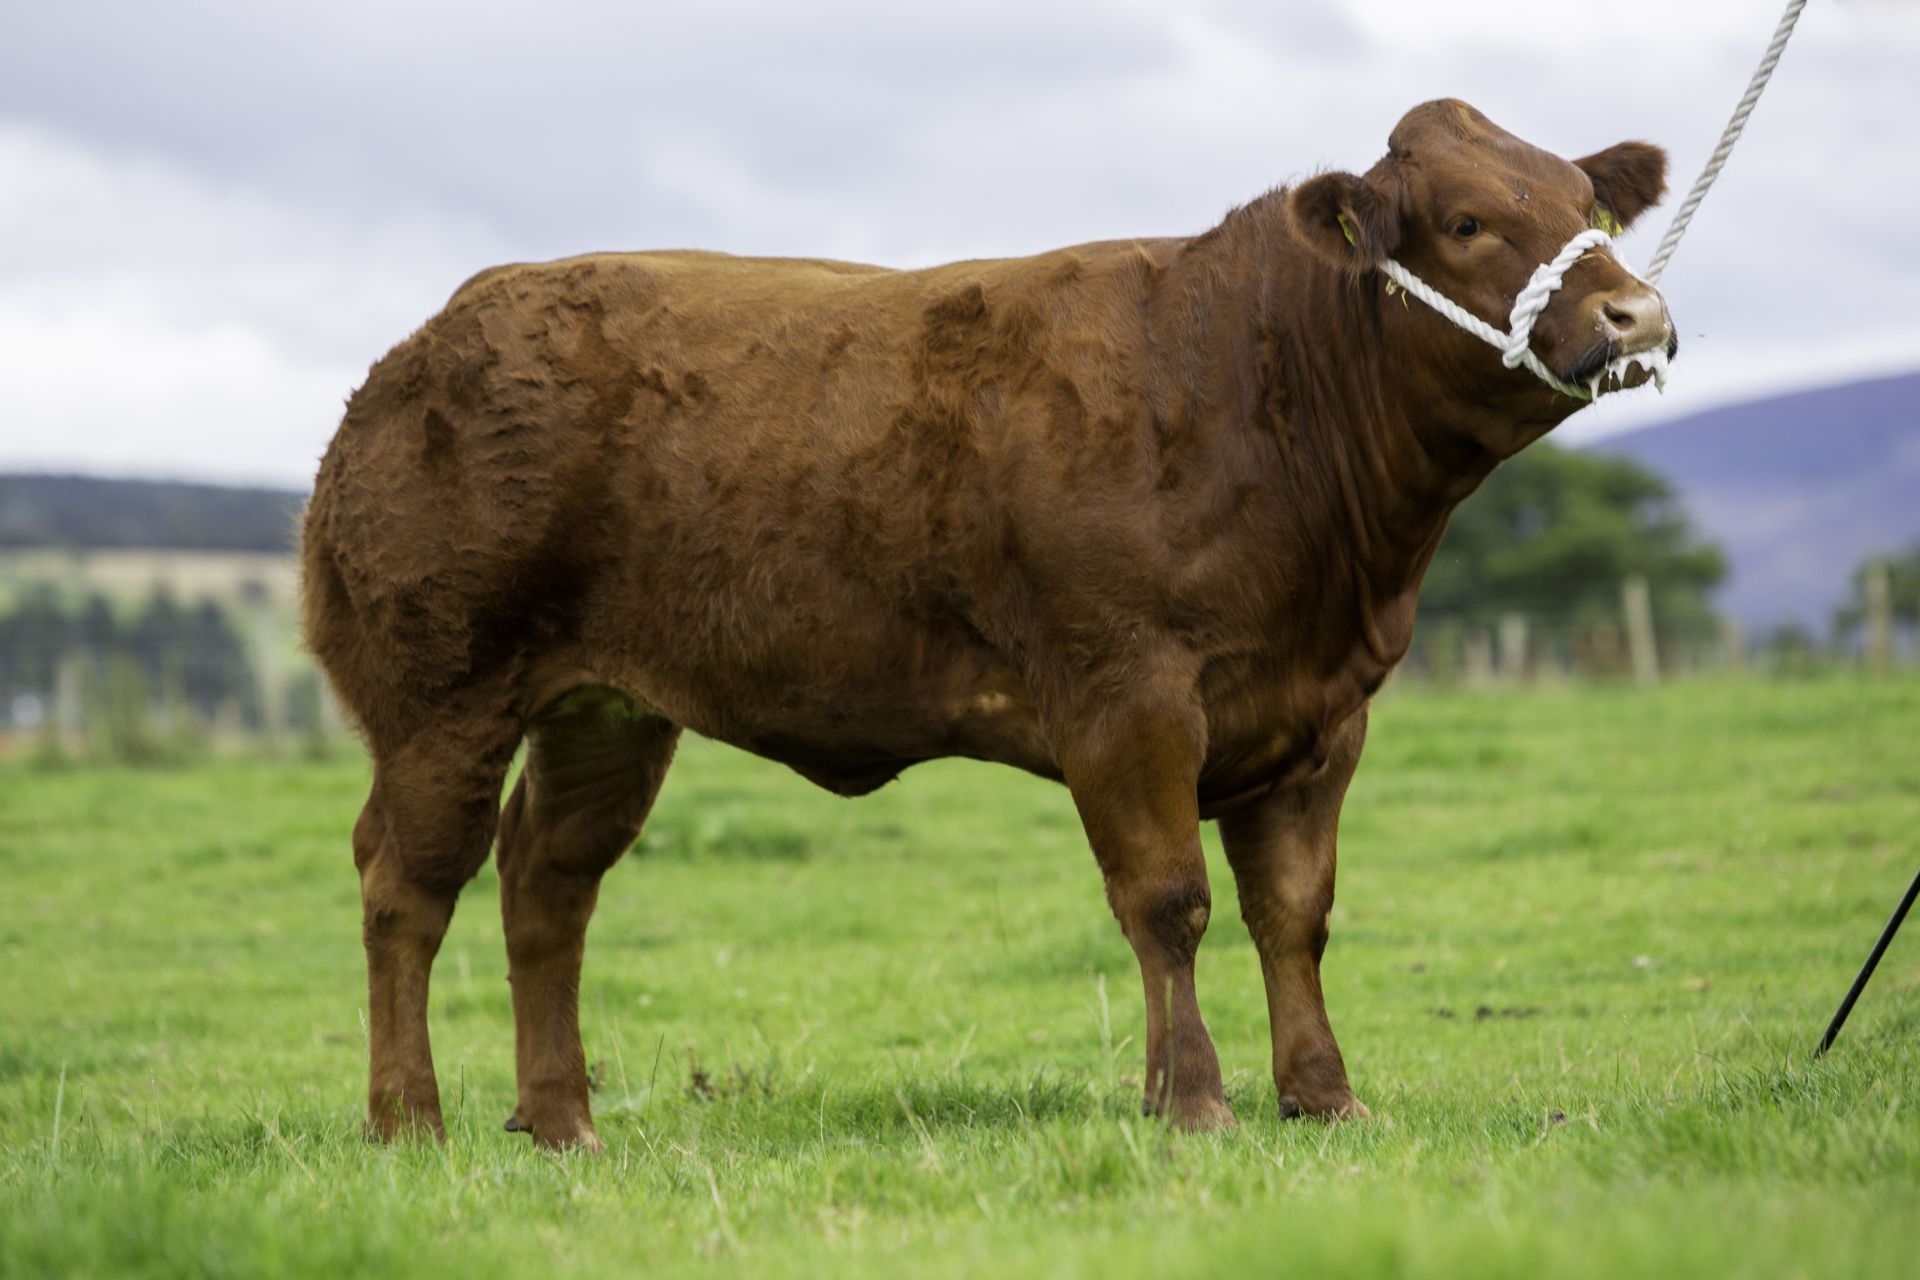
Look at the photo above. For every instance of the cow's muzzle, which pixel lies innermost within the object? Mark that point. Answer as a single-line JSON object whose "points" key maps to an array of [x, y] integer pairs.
{"points": [[1634, 340]]}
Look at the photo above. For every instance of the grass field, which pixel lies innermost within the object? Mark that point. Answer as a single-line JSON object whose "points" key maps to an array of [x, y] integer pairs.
{"points": [[1584, 943]]}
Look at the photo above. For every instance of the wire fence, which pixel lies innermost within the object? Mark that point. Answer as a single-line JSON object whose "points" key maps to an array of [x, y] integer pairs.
{"points": [[1630, 633]]}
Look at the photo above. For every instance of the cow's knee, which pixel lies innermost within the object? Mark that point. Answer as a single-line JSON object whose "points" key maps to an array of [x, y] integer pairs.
{"points": [[437, 833], [1289, 927], [1171, 916], [1288, 910], [413, 859]]}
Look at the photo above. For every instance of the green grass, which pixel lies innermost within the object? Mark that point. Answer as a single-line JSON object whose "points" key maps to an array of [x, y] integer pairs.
{"points": [[1584, 943]]}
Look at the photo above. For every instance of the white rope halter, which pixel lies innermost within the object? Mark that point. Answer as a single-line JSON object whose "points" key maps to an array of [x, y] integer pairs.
{"points": [[1515, 344]]}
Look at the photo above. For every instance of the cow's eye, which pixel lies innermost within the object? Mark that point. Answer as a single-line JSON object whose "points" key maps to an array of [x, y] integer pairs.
{"points": [[1466, 229]]}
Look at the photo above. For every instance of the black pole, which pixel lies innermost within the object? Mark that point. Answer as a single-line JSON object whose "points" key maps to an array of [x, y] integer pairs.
{"points": [[1866, 970]]}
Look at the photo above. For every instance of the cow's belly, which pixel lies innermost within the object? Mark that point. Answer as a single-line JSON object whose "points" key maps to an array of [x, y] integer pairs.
{"points": [[846, 755], [851, 696], [855, 754], [851, 721], [848, 712]]}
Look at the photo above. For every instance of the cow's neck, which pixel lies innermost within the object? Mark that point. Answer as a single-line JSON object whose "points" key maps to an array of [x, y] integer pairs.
{"points": [[1357, 453]]}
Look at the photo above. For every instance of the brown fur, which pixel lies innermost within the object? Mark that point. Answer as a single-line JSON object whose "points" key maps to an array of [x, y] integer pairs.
{"points": [[1147, 517]]}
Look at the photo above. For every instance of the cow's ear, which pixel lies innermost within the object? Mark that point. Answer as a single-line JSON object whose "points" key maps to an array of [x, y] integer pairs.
{"points": [[1628, 179], [1345, 219]]}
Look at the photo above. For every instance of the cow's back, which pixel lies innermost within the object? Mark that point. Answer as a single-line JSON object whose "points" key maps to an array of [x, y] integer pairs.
{"points": [[763, 496]]}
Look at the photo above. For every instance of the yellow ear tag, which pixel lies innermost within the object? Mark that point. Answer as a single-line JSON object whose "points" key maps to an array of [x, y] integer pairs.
{"points": [[1346, 229], [1603, 219]]}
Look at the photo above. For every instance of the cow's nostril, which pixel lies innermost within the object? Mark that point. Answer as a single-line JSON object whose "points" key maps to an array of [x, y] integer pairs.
{"points": [[1633, 314]]}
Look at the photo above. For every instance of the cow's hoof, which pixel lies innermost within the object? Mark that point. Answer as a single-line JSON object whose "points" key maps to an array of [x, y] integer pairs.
{"points": [[558, 1136], [580, 1140], [1346, 1107], [1212, 1115], [1199, 1115]]}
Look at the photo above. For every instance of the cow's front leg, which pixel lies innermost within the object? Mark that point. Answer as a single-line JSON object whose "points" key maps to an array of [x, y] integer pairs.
{"points": [[1133, 773], [1281, 848]]}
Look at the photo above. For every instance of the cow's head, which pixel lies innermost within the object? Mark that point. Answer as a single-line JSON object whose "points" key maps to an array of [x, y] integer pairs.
{"points": [[1474, 210]]}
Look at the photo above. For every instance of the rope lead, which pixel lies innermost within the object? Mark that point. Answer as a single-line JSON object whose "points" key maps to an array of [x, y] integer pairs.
{"points": [[1730, 135]]}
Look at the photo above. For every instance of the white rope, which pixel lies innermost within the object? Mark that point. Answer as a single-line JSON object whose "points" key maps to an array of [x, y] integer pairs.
{"points": [[1684, 214], [1516, 344]]}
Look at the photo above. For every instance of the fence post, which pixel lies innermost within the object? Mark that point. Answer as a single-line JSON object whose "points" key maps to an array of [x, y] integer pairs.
{"points": [[1477, 659], [1636, 600], [1733, 643], [266, 667], [68, 713], [1513, 646], [1879, 615]]}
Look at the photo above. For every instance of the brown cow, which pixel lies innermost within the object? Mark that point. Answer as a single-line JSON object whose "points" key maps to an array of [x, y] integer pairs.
{"points": [[1146, 517]]}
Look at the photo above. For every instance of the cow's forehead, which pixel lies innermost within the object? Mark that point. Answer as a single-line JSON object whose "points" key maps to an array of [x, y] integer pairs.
{"points": [[1445, 118], [1449, 137]]}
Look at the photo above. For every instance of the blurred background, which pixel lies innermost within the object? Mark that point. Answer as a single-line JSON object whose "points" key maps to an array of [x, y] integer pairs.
{"points": [[215, 216]]}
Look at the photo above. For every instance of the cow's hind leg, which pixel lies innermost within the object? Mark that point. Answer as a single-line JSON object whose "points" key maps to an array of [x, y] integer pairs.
{"points": [[424, 831], [593, 769]]}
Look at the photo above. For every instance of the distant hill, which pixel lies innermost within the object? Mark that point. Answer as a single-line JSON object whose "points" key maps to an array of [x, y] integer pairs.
{"points": [[1797, 489], [86, 512]]}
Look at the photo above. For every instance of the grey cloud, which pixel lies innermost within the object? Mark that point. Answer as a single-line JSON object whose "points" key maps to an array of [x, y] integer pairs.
{"points": [[552, 125], [295, 186]]}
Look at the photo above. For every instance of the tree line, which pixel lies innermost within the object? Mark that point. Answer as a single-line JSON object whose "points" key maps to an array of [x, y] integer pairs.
{"points": [[192, 655]]}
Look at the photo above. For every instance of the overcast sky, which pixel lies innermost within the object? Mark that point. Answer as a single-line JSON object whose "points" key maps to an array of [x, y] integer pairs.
{"points": [[214, 216]]}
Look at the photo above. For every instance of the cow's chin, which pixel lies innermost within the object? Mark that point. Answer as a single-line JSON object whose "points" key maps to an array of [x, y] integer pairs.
{"points": [[1605, 369]]}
